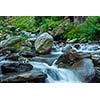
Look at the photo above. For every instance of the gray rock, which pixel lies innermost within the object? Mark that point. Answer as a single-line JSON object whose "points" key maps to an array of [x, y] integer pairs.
{"points": [[60, 28], [96, 60], [85, 69], [43, 43], [84, 55], [66, 49], [25, 78], [13, 57], [10, 41]]}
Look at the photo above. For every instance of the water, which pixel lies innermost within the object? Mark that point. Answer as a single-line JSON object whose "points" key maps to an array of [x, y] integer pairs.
{"points": [[56, 74], [60, 75], [88, 48]]}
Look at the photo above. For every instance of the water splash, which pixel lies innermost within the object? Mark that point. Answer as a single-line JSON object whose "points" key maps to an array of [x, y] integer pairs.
{"points": [[56, 74]]}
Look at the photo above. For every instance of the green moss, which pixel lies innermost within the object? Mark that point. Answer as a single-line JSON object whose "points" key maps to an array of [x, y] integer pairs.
{"points": [[17, 45], [45, 45]]}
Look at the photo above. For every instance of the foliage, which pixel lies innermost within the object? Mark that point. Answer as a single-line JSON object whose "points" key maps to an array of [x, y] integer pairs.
{"points": [[89, 29], [23, 22]]}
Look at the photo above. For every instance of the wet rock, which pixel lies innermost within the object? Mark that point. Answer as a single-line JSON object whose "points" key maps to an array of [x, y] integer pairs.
{"points": [[7, 50], [84, 55], [28, 54], [43, 43], [15, 67], [85, 69], [96, 60], [97, 69], [68, 59], [26, 78], [77, 46], [25, 48], [66, 49], [13, 57], [32, 40]]}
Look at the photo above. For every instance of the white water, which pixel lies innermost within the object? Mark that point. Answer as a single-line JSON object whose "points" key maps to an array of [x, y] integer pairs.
{"points": [[56, 74], [89, 48], [60, 75]]}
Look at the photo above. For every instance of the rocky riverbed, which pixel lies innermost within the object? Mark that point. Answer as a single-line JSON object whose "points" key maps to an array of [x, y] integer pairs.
{"points": [[41, 59]]}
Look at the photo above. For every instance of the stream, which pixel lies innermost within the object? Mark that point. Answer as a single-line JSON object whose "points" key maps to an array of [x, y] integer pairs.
{"points": [[46, 63], [60, 75]]}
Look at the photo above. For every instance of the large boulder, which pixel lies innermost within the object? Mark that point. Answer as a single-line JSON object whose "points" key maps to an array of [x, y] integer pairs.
{"points": [[85, 69], [68, 58], [43, 43]]}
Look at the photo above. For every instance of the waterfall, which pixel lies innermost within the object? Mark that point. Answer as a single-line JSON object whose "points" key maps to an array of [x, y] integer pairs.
{"points": [[56, 74]]}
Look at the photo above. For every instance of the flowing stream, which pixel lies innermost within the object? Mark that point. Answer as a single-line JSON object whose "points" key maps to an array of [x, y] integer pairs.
{"points": [[60, 75], [56, 74]]}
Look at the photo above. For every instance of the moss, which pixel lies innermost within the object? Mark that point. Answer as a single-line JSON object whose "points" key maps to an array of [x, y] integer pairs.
{"points": [[17, 45], [45, 45]]}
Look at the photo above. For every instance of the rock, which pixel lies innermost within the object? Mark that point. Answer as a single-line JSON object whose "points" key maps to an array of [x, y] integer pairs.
{"points": [[13, 57], [68, 58], [28, 54], [12, 41], [66, 49], [26, 78], [57, 31], [85, 69], [72, 41], [25, 48], [36, 31], [96, 60], [43, 43], [7, 50], [83, 40], [26, 43], [97, 69], [49, 60], [77, 46], [15, 67], [84, 55]]}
